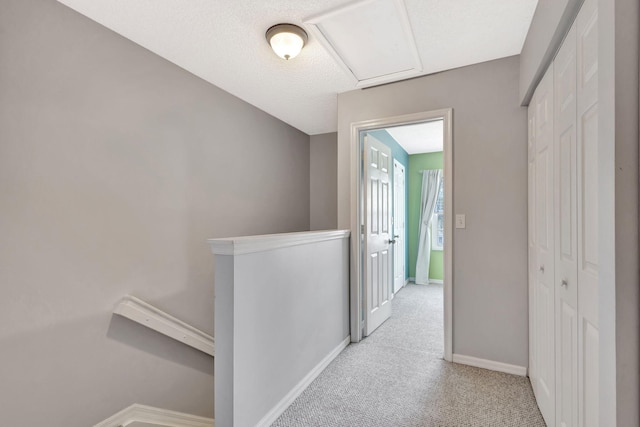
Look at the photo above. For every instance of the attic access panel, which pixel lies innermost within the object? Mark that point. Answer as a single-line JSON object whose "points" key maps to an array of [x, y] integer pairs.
{"points": [[371, 39]]}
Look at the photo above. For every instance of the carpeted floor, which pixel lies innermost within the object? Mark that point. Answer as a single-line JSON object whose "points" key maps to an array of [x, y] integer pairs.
{"points": [[397, 378]]}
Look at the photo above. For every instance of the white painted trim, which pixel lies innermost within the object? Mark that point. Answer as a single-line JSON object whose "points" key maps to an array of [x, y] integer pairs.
{"points": [[490, 364], [313, 28], [356, 323], [406, 282], [431, 282], [286, 401], [397, 166], [145, 314], [267, 242], [411, 280], [156, 416], [448, 235]]}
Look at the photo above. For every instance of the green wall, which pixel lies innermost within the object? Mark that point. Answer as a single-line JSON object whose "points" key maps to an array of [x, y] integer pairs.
{"points": [[417, 163]]}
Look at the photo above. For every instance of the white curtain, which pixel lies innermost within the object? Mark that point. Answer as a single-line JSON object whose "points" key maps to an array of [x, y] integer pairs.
{"points": [[430, 185]]}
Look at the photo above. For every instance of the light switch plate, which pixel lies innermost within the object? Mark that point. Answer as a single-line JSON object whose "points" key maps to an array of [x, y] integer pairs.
{"points": [[461, 221]]}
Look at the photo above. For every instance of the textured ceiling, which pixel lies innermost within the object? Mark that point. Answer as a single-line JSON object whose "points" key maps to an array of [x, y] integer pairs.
{"points": [[223, 42], [427, 137]]}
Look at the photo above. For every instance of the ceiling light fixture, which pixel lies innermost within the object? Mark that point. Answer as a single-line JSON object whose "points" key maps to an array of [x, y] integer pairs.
{"points": [[286, 40]]}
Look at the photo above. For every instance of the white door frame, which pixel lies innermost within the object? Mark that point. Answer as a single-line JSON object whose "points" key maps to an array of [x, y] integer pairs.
{"points": [[356, 291], [402, 238]]}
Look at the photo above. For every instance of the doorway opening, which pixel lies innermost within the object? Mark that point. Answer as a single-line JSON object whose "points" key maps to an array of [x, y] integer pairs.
{"points": [[401, 208]]}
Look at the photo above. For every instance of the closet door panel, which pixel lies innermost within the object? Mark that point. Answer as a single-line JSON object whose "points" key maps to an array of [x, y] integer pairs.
{"points": [[563, 230], [587, 119], [566, 230], [589, 396], [531, 142], [544, 250]]}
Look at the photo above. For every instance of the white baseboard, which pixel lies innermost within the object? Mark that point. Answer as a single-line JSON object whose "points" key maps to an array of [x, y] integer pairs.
{"points": [[286, 401], [434, 281], [490, 364], [406, 282], [149, 415]]}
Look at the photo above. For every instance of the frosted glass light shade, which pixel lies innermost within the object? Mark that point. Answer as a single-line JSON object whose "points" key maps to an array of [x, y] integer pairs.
{"points": [[286, 40]]}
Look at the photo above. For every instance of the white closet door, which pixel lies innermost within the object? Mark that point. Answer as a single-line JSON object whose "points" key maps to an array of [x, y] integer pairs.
{"points": [[531, 143], [544, 248], [587, 119], [566, 229]]}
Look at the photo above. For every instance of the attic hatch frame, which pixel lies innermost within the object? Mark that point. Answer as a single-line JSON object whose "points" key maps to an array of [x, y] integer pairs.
{"points": [[315, 26]]}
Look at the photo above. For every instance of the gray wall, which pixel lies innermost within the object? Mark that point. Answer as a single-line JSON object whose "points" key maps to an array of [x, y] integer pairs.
{"points": [[115, 167], [619, 296], [490, 187], [323, 185], [549, 26]]}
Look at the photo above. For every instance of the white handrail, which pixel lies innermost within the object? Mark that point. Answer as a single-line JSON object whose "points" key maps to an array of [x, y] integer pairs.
{"points": [[141, 312]]}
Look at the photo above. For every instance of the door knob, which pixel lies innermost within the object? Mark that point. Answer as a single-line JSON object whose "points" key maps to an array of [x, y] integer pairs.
{"points": [[542, 269], [565, 283], [392, 241]]}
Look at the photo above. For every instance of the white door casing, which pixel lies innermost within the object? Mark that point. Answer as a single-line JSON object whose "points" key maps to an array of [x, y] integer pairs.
{"points": [[357, 309], [531, 143], [587, 188], [566, 229], [377, 225], [544, 250], [399, 203]]}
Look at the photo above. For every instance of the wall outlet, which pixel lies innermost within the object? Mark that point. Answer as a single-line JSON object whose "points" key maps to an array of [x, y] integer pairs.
{"points": [[461, 221]]}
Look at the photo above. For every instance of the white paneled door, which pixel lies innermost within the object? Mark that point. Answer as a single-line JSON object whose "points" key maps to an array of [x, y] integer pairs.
{"points": [[587, 172], [566, 229], [533, 267], [378, 265], [399, 201], [544, 250]]}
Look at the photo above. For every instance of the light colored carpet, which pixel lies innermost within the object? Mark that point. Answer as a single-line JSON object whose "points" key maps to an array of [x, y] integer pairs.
{"points": [[397, 378]]}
